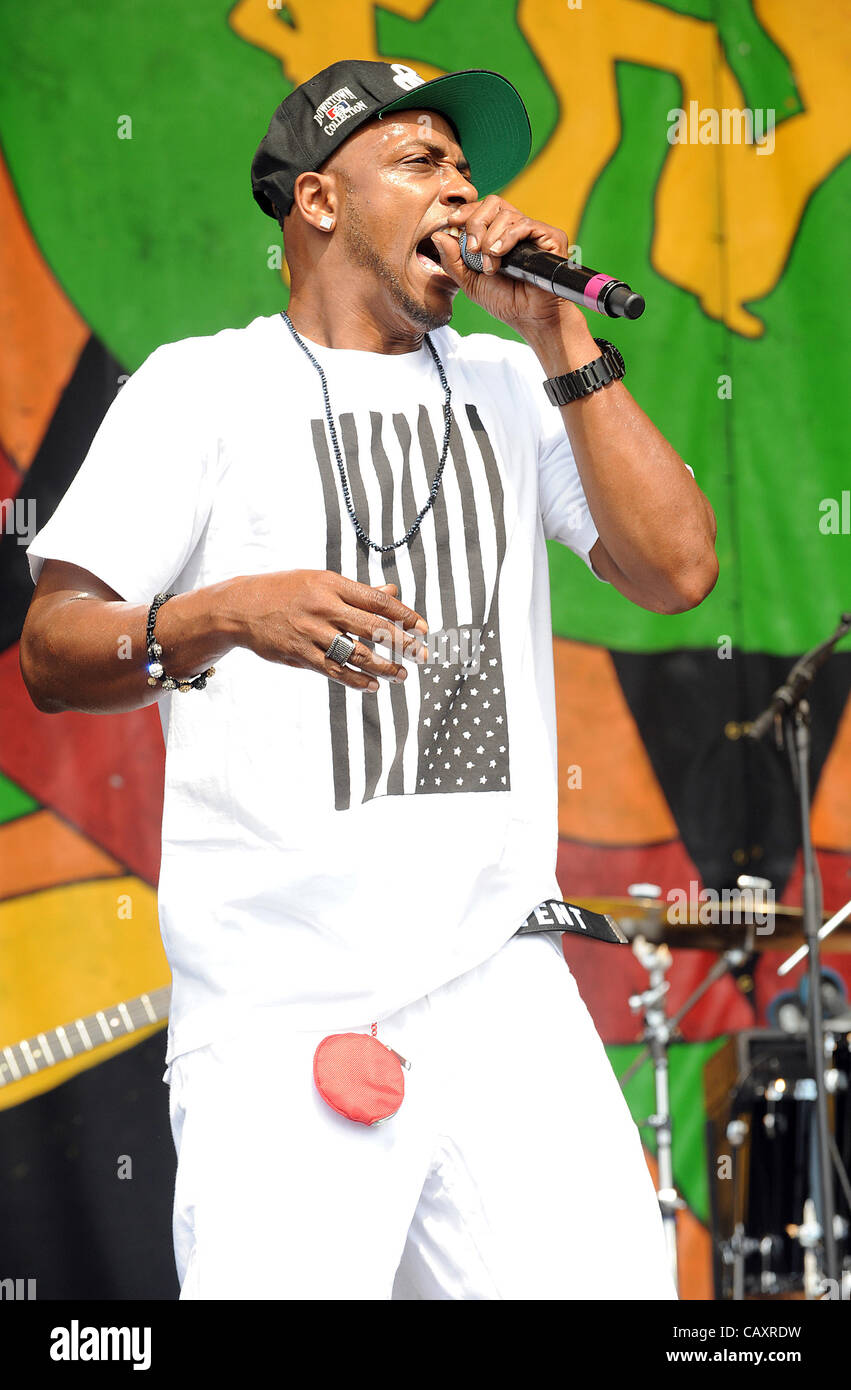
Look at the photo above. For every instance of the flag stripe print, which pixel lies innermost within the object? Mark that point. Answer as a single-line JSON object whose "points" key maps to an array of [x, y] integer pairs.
{"points": [[445, 728]]}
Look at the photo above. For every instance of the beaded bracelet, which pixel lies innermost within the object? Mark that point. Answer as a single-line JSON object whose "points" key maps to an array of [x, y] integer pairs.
{"points": [[156, 672]]}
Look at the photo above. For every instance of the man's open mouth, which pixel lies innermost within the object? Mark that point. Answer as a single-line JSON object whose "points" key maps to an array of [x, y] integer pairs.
{"points": [[427, 255]]}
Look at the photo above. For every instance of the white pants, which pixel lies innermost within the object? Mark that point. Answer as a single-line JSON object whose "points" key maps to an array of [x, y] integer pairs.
{"points": [[513, 1169]]}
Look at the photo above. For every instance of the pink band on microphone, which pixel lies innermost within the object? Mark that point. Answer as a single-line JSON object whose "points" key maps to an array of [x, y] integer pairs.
{"points": [[594, 288]]}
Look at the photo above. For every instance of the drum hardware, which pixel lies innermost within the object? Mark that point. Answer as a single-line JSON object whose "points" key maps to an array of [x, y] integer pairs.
{"points": [[840, 1024], [737, 1132], [652, 928], [768, 1248], [761, 1099], [827, 929], [789, 713], [808, 1236], [734, 1252], [656, 960], [709, 927], [646, 931], [655, 957]]}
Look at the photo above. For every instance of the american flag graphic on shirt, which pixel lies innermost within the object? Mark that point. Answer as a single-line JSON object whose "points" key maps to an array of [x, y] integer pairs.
{"points": [[445, 728]]}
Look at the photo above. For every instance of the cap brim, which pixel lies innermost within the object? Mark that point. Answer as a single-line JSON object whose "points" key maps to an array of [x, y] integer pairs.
{"points": [[489, 116]]}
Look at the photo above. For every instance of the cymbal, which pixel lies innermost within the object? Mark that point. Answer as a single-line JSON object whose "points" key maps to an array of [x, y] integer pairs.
{"points": [[712, 926]]}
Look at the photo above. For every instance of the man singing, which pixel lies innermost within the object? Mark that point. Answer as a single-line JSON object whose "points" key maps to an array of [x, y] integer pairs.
{"points": [[318, 543]]}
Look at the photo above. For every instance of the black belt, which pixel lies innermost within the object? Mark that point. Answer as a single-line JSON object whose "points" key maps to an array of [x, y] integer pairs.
{"points": [[553, 915]]}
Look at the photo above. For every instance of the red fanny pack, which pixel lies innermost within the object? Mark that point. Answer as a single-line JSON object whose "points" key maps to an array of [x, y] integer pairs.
{"points": [[359, 1077], [363, 1079]]}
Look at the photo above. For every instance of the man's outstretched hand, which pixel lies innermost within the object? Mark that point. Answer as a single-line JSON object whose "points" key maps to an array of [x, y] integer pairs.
{"points": [[293, 616]]}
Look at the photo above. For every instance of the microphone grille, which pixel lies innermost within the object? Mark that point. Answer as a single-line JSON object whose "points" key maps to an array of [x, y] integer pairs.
{"points": [[471, 259]]}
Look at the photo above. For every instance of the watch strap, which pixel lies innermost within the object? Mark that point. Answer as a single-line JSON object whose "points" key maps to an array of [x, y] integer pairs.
{"points": [[571, 386]]}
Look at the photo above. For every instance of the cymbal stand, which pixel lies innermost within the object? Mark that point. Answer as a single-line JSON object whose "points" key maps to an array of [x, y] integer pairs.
{"points": [[655, 957], [656, 960]]}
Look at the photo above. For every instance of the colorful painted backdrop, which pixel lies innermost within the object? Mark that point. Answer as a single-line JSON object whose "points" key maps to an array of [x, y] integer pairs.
{"points": [[126, 135]]}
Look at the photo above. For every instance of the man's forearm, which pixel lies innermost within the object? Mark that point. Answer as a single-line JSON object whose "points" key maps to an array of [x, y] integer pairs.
{"points": [[89, 654], [652, 518]]}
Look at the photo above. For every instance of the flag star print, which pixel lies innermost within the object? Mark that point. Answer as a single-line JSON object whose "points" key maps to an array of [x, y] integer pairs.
{"points": [[473, 707]]}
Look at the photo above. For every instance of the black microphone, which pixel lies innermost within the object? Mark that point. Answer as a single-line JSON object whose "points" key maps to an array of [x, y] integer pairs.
{"points": [[579, 283]]}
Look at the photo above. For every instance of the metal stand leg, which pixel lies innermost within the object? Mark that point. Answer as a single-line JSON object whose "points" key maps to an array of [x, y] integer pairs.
{"points": [[657, 961]]}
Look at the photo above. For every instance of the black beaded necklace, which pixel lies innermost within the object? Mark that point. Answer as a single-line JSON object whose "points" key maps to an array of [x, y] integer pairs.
{"points": [[447, 416]]}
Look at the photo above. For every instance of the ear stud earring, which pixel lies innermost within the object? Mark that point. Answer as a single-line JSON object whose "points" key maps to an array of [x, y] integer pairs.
{"points": [[326, 222]]}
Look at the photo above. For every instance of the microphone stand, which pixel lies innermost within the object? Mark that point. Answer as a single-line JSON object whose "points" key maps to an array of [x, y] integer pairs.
{"points": [[789, 711]]}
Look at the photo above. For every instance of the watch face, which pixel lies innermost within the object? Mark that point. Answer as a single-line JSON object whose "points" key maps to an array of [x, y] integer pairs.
{"points": [[610, 351]]}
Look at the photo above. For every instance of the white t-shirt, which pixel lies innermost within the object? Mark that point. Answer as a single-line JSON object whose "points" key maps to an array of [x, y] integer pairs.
{"points": [[339, 852]]}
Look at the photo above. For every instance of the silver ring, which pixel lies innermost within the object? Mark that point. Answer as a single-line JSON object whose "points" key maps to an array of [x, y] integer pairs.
{"points": [[341, 648]]}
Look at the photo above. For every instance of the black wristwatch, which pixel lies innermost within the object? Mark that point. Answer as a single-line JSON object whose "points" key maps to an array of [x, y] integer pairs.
{"points": [[561, 390]]}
